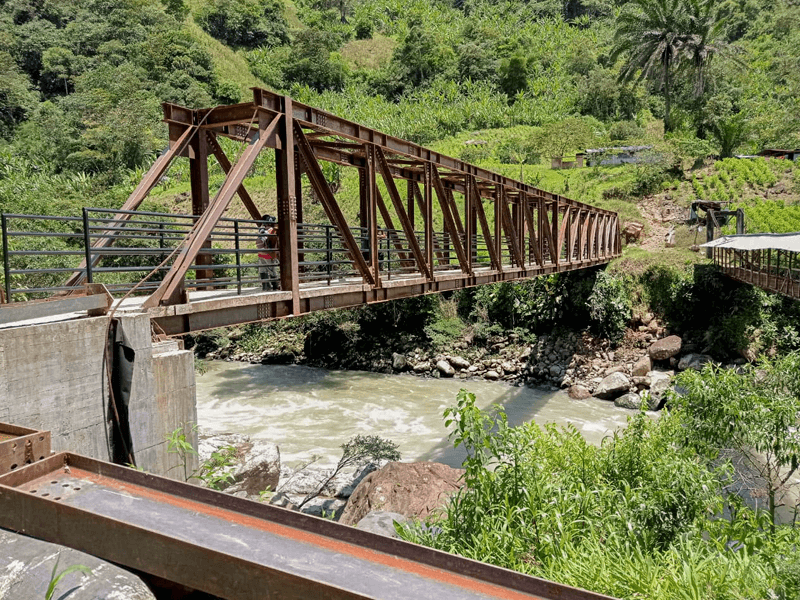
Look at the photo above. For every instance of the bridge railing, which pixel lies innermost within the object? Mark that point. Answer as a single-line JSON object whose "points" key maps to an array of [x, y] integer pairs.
{"points": [[41, 251], [769, 268]]}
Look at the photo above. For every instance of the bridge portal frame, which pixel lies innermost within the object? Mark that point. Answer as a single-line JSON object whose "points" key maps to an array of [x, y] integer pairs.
{"points": [[538, 231]]}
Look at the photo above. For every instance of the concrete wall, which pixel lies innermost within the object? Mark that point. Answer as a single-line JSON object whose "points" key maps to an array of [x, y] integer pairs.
{"points": [[52, 378]]}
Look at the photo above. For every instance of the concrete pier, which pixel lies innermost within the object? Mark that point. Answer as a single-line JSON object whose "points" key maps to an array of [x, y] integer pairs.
{"points": [[53, 376]]}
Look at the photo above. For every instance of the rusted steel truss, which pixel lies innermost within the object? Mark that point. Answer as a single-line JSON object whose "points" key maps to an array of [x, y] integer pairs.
{"points": [[239, 549], [490, 227]]}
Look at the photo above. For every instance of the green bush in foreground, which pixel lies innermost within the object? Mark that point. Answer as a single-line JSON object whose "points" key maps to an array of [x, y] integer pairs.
{"points": [[634, 518]]}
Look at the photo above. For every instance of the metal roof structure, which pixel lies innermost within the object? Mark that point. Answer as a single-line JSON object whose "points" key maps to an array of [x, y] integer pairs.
{"points": [[789, 242]]}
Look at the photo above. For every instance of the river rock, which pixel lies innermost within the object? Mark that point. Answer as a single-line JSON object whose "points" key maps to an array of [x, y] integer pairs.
{"points": [[642, 366], [458, 362], [555, 371], [659, 384], [259, 470], [422, 367], [26, 567], [509, 367], [666, 348], [412, 489], [612, 386], [579, 392], [629, 400], [381, 522], [399, 362], [526, 352], [493, 375], [693, 361], [641, 382], [445, 368]]}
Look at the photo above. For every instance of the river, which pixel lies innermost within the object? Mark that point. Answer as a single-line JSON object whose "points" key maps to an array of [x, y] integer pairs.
{"points": [[309, 411]]}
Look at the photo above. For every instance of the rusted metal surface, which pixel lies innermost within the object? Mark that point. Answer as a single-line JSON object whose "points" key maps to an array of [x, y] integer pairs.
{"points": [[20, 446], [770, 269], [236, 548]]}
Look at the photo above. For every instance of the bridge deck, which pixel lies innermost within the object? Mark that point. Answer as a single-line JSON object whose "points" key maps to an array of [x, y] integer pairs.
{"points": [[236, 548]]}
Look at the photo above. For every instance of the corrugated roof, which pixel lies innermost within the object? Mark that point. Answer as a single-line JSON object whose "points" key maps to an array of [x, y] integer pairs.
{"points": [[758, 241], [617, 149]]}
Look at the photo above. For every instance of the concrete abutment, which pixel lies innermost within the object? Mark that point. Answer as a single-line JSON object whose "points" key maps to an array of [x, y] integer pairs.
{"points": [[53, 377]]}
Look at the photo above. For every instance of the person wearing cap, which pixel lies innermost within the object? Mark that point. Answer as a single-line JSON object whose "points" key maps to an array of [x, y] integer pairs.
{"points": [[267, 244]]}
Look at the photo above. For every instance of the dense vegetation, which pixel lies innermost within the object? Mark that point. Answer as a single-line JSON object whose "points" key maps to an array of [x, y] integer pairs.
{"points": [[638, 517]]}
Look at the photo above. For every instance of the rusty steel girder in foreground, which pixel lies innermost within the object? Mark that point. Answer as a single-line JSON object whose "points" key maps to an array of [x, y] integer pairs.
{"points": [[493, 228], [239, 549]]}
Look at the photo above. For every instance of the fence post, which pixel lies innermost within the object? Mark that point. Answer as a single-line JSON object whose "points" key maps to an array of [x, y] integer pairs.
{"points": [[238, 257], [87, 246], [6, 264]]}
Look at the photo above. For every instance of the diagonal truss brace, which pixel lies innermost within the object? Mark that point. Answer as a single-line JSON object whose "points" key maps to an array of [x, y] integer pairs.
{"points": [[449, 221], [223, 161], [329, 204], [171, 287], [397, 202], [485, 229], [146, 185]]}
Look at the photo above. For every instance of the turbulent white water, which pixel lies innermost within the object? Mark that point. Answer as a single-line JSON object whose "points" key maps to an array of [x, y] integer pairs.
{"points": [[308, 411]]}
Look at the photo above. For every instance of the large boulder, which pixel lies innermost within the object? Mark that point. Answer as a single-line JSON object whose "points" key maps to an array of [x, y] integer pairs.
{"points": [[257, 463], [445, 368], [413, 490], [659, 384], [381, 522], [642, 366], [399, 362], [26, 567], [629, 400], [666, 348], [613, 386], [579, 392], [459, 362], [693, 361]]}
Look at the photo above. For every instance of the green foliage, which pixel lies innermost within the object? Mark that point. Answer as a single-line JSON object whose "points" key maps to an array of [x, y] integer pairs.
{"points": [[178, 443], [56, 577], [215, 472], [356, 452], [609, 306], [245, 23], [312, 61], [634, 518], [755, 411]]}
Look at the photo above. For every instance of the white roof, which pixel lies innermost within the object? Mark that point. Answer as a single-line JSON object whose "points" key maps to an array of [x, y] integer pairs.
{"points": [[758, 241]]}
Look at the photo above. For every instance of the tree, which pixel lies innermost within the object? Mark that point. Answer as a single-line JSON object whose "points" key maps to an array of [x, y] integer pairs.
{"points": [[245, 23], [660, 37], [312, 62], [753, 413], [514, 74], [650, 34], [558, 139]]}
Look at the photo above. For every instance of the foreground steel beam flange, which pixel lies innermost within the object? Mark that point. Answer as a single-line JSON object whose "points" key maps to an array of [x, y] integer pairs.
{"points": [[239, 549]]}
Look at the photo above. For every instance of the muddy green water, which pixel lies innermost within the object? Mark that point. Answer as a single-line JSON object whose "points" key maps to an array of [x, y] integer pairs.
{"points": [[308, 411]]}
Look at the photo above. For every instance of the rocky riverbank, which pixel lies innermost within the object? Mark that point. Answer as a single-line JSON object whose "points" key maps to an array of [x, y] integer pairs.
{"points": [[638, 370]]}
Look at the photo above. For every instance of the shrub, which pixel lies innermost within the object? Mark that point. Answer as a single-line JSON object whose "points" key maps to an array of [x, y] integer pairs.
{"points": [[609, 306], [245, 23]]}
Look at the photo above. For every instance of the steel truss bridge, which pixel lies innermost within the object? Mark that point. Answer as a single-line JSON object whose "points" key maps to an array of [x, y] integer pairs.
{"points": [[771, 269], [202, 267]]}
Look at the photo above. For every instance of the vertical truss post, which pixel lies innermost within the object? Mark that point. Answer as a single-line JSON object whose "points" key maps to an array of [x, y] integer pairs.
{"points": [[298, 191], [555, 250], [498, 222], [469, 222], [286, 179], [198, 176], [485, 229], [223, 161], [410, 201], [372, 212], [427, 206]]}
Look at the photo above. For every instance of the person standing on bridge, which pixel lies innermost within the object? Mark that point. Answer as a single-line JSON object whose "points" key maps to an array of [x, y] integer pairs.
{"points": [[267, 244]]}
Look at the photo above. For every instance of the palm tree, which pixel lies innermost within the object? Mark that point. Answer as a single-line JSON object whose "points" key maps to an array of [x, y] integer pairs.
{"points": [[703, 39], [652, 36]]}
